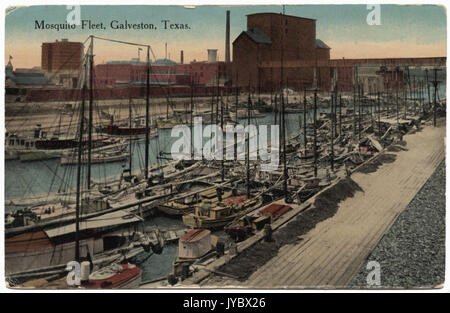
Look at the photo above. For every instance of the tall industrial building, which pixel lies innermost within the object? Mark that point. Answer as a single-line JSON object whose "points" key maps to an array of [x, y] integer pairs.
{"points": [[280, 50], [61, 61]]}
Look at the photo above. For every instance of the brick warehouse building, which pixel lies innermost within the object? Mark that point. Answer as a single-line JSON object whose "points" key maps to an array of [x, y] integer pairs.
{"points": [[377, 74], [272, 40], [162, 72], [61, 62]]}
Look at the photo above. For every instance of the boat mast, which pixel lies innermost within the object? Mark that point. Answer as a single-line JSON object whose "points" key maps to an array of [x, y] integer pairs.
{"points": [[217, 96], [80, 151], [212, 111], [396, 103], [131, 135], [435, 84], [379, 114], [414, 95], [237, 104], [359, 110], [283, 124], [221, 127], [315, 132], [247, 157], [333, 100], [340, 114], [91, 97], [428, 88], [147, 116], [236, 122], [192, 118], [335, 109], [304, 121], [354, 104]]}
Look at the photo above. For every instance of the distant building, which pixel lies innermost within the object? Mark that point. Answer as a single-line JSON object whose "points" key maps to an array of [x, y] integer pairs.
{"points": [[274, 44], [61, 61], [377, 74], [18, 81], [162, 72]]}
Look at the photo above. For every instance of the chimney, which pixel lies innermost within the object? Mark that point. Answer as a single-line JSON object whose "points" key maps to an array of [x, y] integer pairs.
{"points": [[212, 55], [181, 57], [227, 39]]}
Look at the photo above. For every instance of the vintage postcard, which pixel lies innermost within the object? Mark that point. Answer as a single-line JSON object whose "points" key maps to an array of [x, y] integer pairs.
{"points": [[225, 146]]}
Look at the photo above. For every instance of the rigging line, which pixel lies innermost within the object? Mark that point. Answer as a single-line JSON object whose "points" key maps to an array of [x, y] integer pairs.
{"points": [[27, 185], [167, 90], [68, 169], [99, 126], [122, 42], [67, 183], [53, 181], [67, 176]]}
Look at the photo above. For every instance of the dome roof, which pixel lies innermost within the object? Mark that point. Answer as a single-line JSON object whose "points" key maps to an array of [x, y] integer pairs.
{"points": [[164, 62]]}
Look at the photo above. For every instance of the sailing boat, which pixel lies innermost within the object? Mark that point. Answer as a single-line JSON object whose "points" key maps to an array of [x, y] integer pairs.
{"points": [[41, 255], [136, 127], [214, 216]]}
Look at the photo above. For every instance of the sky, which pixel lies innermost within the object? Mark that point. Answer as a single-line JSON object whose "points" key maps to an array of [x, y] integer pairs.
{"points": [[405, 31]]}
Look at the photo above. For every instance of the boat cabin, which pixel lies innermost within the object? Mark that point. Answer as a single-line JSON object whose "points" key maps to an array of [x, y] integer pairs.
{"points": [[194, 244]]}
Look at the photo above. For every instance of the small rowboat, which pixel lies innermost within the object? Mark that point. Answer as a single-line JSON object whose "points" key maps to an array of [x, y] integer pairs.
{"points": [[114, 276]]}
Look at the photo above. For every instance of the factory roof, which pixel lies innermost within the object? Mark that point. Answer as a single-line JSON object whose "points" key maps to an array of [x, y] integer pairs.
{"points": [[164, 62], [27, 78], [256, 35], [320, 44], [136, 62], [133, 62]]}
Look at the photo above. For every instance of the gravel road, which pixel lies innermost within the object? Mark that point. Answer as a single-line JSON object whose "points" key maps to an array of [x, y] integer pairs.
{"points": [[412, 253]]}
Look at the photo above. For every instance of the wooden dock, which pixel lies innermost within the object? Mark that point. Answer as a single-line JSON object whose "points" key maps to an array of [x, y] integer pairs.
{"points": [[331, 253]]}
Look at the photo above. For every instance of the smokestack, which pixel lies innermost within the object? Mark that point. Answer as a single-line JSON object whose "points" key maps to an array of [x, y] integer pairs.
{"points": [[181, 57], [212, 55], [227, 39]]}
